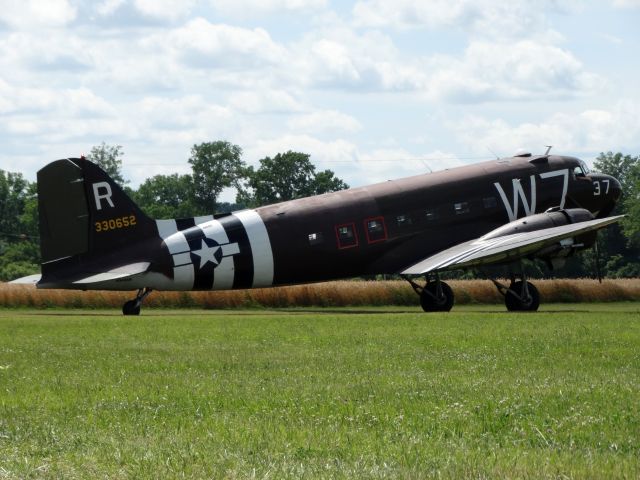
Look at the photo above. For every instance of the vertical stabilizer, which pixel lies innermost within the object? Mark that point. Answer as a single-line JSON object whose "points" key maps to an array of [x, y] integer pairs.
{"points": [[83, 212]]}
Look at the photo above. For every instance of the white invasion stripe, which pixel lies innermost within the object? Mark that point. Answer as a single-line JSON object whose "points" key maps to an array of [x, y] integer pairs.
{"points": [[183, 277], [230, 249], [224, 273], [214, 230], [200, 220], [166, 228], [260, 247], [175, 240], [182, 258], [177, 243]]}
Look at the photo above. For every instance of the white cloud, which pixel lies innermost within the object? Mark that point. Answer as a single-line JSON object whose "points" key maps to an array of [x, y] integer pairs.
{"points": [[108, 7], [190, 114], [164, 9], [264, 101], [392, 163], [260, 7], [37, 52], [524, 70], [588, 131], [340, 58], [626, 3], [486, 17], [22, 101], [205, 45], [324, 121], [323, 153], [33, 14]]}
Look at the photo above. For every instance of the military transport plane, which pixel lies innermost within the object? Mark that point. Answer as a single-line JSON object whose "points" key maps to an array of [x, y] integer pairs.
{"points": [[93, 237]]}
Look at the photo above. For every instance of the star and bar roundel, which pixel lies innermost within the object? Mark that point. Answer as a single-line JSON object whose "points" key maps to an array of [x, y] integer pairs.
{"points": [[214, 254]]}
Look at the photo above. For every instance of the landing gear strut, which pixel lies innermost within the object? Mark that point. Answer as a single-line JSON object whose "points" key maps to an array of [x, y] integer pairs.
{"points": [[435, 295], [520, 295], [132, 307]]}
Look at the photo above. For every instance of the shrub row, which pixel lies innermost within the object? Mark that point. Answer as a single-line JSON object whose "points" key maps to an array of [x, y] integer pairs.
{"points": [[330, 294]]}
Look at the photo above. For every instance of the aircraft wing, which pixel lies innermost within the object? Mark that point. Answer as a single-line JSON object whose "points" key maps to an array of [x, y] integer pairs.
{"points": [[486, 251], [28, 280]]}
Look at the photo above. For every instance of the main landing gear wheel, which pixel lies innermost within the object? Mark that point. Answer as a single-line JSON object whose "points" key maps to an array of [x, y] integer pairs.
{"points": [[436, 297], [132, 307], [522, 297]]}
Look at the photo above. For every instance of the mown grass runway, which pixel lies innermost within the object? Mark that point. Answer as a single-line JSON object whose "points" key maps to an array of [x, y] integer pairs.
{"points": [[345, 393]]}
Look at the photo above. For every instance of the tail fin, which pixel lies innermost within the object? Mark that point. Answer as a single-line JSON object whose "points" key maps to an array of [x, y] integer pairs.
{"points": [[84, 212]]}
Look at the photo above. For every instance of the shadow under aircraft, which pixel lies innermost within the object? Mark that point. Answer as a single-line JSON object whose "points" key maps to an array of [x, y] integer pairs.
{"points": [[93, 237]]}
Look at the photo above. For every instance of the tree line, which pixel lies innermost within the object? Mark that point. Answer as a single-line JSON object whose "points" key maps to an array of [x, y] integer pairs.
{"points": [[218, 165]]}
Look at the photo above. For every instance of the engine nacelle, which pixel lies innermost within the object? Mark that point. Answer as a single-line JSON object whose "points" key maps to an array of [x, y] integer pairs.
{"points": [[556, 254]]}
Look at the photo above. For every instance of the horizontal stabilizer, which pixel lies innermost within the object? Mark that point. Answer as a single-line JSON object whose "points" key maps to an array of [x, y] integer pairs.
{"points": [[115, 274], [28, 280], [486, 251]]}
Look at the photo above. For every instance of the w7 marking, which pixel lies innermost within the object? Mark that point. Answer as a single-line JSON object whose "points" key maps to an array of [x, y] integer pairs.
{"points": [[519, 195]]}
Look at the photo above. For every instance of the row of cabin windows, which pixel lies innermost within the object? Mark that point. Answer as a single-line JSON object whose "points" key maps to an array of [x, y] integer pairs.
{"points": [[376, 230]]}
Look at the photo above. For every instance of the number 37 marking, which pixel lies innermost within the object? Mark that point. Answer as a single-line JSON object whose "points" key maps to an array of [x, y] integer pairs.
{"points": [[597, 189]]}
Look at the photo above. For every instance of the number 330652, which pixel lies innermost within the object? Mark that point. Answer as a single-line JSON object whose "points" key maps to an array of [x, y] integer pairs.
{"points": [[115, 223]]}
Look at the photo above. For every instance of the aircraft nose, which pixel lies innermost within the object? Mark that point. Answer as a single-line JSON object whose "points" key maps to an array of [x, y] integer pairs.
{"points": [[616, 189], [611, 190]]}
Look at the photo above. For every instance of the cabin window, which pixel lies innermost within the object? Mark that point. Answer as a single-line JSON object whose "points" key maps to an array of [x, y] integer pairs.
{"points": [[346, 235], [431, 215], [460, 208], [376, 229], [316, 238], [489, 202], [403, 220]]}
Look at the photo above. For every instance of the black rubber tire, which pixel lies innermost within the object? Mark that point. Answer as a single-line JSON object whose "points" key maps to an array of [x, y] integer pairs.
{"points": [[131, 308], [514, 304], [430, 304]]}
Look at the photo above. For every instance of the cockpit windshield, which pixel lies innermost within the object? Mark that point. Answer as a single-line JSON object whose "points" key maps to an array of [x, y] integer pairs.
{"points": [[581, 170], [585, 168]]}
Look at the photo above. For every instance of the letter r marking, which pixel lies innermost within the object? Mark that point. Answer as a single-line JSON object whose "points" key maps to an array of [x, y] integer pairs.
{"points": [[105, 195]]}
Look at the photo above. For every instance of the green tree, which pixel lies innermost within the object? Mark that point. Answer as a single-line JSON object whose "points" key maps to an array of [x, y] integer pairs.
{"points": [[631, 223], [166, 196], [13, 195], [215, 166], [284, 177], [19, 249], [109, 158], [619, 243]]}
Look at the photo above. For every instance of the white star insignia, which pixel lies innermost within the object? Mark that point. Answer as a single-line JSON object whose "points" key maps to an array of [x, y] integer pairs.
{"points": [[207, 254]]}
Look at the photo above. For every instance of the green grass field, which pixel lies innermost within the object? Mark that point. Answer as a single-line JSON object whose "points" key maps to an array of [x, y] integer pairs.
{"points": [[319, 393]]}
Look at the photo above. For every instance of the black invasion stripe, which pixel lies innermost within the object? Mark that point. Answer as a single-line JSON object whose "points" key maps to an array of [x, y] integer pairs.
{"points": [[203, 277], [185, 223], [243, 262]]}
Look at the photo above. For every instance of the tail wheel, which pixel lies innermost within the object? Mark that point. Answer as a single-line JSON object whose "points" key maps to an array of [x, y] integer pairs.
{"points": [[132, 307], [433, 300], [526, 300]]}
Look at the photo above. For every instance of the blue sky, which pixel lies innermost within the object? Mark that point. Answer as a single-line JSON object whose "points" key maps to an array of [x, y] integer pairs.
{"points": [[372, 89]]}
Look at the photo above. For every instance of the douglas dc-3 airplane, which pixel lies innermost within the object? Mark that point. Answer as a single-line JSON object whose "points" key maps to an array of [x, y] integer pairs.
{"points": [[93, 237]]}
